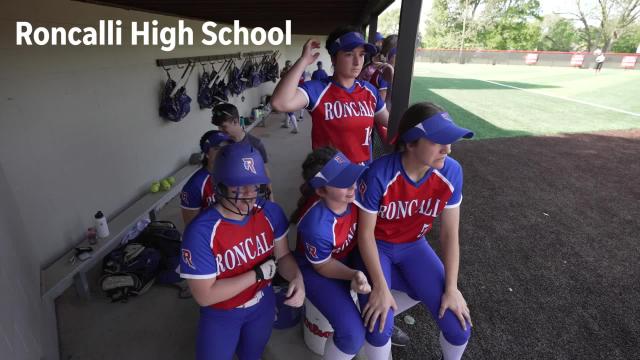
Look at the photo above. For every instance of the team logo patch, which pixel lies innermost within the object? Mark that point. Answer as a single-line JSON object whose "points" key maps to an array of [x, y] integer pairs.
{"points": [[184, 197], [312, 250], [249, 165], [186, 257], [362, 187], [339, 159]]}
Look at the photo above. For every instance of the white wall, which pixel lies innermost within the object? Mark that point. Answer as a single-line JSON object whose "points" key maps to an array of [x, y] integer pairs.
{"points": [[19, 281], [80, 131]]}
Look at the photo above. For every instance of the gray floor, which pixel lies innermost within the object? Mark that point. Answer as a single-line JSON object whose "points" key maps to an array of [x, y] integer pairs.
{"points": [[159, 325]]}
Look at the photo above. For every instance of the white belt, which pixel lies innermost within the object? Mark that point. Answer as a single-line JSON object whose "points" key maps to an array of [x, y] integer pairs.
{"points": [[254, 300]]}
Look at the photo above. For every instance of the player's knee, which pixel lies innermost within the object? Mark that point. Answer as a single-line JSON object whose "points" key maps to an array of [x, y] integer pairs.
{"points": [[350, 341], [453, 331], [377, 338]]}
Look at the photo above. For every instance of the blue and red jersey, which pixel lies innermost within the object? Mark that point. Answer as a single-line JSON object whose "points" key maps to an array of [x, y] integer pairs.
{"points": [[217, 247], [341, 117], [319, 74], [406, 209], [199, 191], [323, 234], [377, 79]]}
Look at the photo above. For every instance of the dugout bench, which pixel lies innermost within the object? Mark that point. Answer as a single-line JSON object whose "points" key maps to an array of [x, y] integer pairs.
{"points": [[61, 274]]}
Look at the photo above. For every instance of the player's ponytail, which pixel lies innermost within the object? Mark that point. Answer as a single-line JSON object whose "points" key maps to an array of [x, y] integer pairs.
{"points": [[314, 162], [412, 117]]}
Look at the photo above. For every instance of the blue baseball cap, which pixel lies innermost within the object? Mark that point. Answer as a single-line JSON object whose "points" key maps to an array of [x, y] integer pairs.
{"points": [[339, 172], [350, 41], [216, 138], [240, 164], [438, 128], [379, 37]]}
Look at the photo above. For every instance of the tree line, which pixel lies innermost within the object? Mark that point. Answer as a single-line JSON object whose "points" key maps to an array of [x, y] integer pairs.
{"points": [[610, 25]]}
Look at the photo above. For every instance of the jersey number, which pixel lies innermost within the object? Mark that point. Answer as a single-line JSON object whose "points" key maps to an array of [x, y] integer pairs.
{"points": [[367, 135]]}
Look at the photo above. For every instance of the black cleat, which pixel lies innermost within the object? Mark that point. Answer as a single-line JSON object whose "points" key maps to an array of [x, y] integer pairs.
{"points": [[399, 337]]}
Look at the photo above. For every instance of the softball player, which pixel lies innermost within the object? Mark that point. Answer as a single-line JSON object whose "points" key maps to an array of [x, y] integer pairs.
{"points": [[382, 78], [319, 74], [326, 238], [228, 259], [379, 72], [198, 193], [291, 117], [399, 197], [343, 109]]}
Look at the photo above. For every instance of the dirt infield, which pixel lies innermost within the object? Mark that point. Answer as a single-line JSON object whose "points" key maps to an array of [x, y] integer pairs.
{"points": [[550, 238]]}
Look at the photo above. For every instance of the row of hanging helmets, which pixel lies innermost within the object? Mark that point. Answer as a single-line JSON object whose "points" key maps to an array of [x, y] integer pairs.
{"points": [[216, 85]]}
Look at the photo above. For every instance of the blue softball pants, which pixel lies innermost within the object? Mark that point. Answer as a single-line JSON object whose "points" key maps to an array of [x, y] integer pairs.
{"points": [[415, 269], [241, 331], [333, 299]]}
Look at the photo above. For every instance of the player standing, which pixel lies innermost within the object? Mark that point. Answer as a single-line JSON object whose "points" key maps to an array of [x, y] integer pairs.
{"points": [[319, 74], [227, 259], [343, 109], [400, 196], [379, 72], [291, 117]]}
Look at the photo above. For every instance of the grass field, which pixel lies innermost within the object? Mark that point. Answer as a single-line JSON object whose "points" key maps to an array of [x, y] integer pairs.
{"points": [[502, 101]]}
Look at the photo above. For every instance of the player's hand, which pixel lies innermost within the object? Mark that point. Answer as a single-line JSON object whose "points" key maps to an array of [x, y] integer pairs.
{"points": [[453, 300], [360, 284], [308, 55], [295, 293], [380, 300], [266, 270]]}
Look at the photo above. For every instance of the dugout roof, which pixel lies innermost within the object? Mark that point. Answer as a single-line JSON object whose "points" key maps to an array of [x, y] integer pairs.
{"points": [[309, 17]]}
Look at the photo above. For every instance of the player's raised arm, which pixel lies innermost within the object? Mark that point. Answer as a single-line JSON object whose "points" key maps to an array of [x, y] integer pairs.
{"points": [[286, 97]]}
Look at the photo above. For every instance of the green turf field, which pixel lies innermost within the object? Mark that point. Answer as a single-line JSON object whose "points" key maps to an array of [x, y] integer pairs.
{"points": [[547, 100]]}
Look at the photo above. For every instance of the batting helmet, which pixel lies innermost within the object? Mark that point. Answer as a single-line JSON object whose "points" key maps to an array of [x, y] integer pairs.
{"points": [[240, 164]]}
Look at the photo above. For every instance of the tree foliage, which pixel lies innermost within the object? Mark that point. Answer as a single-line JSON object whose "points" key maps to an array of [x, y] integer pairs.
{"points": [[389, 22], [558, 34], [518, 24], [629, 42], [603, 22]]}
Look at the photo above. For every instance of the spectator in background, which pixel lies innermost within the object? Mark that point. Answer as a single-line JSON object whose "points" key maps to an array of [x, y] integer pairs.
{"points": [[599, 61], [319, 74], [291, 117]]}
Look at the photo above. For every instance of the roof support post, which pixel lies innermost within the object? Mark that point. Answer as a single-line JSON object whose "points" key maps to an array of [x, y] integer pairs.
{"points": [[409, 20], [373, 28]]}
